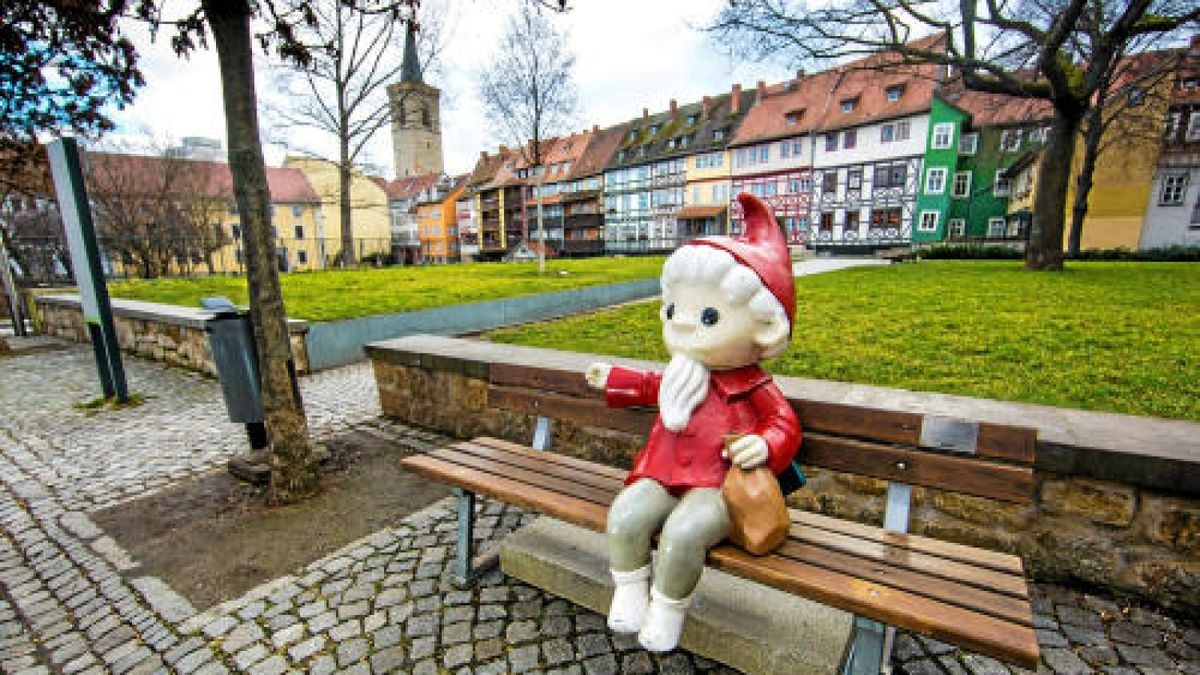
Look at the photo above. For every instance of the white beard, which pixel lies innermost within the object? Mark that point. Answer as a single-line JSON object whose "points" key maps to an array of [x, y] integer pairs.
{"points": [[684, 386]]}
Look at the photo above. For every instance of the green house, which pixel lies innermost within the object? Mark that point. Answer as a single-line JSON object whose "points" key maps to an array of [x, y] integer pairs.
{"points": [[974, 139]]}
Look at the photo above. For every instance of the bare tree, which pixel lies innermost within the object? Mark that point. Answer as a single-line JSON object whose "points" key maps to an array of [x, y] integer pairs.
{"points": [[528, 92], [1031, 49], [155, 212], [341, 91]]}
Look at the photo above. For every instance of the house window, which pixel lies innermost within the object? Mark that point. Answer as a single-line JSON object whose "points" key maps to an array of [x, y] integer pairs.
{"points": [[958, 227], [1003, 185], [894, 92], [902, 130], [797, 146], [849, 104], [1193, 130], [885, 218], [764, 154], [1038, 135], [827, 221], [887, 133], [1173, 189], [831, 142], [1137, 96], [232, 208], [829, 182], [995, 228], [718, 134], [1010, 140], [850, 138], [890, 175], [236, 231], [968, 144], [962, 184], [935, 181], [943, 135], [299, 231], [302, 257], [854, 179], [1173, 121], [793, 118], [691, 119], [297, 210], [929, 221]]}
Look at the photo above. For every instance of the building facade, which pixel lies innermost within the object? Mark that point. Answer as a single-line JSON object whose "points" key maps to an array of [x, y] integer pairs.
{"points": [[437, 221], [370, 220], [1173, 209]]}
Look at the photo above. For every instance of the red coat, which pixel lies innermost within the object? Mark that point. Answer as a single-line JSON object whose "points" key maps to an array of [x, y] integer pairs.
{"points": [[743, 400]]}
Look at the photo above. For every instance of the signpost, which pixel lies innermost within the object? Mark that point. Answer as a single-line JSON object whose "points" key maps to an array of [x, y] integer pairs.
{"points": [[15, 308], [76, 213]]}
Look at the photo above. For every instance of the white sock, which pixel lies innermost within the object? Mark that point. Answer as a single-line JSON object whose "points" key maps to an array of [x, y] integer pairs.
{"points": [[630, 599], [664, 622]]}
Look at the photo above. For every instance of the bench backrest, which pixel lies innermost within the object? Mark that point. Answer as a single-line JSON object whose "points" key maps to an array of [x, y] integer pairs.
{"points": [[974, 458]]}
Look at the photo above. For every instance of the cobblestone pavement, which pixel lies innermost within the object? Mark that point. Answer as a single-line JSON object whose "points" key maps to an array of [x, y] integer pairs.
{"points": [[71, 600]]}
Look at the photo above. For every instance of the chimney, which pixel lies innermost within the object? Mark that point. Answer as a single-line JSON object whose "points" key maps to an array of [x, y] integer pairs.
{"points": [[483, 154], [645, 113], [800, 74], [595, 128], [760, 92], [674, 107], [735, 98], [704, 106]]}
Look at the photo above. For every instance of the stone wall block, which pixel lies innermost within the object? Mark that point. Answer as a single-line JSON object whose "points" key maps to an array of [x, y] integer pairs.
{"points": [[980, 510], [938, 525], [1171, 522], [1098, 501], [863, 484], [1069, 550]]}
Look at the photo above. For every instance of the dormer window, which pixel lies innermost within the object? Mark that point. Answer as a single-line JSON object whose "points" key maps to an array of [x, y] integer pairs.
{"points": [[632, 135], [849, 104], [671, 143], [718, 134], [691, 119], [793, 117], [654, 129], [894, 92], [1137, 96]]}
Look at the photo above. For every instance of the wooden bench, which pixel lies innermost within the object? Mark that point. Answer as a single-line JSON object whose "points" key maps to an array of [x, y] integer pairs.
{"points": [[897, 254], [975, 598]]}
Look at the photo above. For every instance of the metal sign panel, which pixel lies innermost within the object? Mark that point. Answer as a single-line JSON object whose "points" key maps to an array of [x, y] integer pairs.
{"points": [[77, 218]]}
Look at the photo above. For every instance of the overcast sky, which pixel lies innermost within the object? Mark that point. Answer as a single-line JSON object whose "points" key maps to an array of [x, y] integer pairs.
{"points": [[630, 54]]}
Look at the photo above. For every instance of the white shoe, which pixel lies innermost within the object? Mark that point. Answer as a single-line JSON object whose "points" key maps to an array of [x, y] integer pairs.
{"points": [[664, 622], [630, 599]]}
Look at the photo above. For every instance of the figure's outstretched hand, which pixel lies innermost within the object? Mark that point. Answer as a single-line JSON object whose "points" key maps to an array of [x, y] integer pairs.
{"points": [[597, 374], [748, 452]]}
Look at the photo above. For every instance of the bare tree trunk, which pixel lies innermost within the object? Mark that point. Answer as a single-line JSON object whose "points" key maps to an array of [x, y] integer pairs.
{"points": [[293, 472], [1045, 250], [1093, 131], [344, 169]]}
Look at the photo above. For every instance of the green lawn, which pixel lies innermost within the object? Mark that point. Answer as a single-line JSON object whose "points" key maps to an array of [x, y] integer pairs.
{"points": [[1121, 337], [346, 294]]}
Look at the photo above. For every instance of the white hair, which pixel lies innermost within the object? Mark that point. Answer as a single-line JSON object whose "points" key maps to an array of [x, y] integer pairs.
{"points": [[740, 284]]}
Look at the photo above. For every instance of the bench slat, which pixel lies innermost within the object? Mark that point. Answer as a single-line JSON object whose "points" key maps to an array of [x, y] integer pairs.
{"points": [[997, 441], [846, 579], [978, 632], [977, 477], [972, 597], [610, 472]]}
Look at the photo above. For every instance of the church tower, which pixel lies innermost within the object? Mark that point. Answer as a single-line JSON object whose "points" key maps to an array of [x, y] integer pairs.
{"points": [[416, 116]]}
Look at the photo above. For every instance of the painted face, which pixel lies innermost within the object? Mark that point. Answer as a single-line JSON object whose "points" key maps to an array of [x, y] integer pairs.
{"points": [[700, 323]]}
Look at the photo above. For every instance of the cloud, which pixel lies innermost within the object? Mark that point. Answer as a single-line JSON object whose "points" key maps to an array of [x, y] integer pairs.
{"points": [[631, 54]]}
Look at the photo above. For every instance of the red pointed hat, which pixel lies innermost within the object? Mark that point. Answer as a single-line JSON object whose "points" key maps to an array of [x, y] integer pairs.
{"points": [[762, 248]]}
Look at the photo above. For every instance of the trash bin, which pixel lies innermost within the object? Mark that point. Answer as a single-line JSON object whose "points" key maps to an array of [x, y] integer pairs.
{"points": [[235, 355]]}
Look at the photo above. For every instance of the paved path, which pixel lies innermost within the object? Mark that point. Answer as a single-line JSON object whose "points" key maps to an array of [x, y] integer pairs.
{"points": [[819, 265], [71, 600]]}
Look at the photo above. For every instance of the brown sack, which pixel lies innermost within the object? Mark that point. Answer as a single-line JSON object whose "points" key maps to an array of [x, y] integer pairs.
{"points": [[758, 518]]}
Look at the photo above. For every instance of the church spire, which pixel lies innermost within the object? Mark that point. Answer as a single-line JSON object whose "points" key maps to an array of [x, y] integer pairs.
{"points": [[410, 69]]}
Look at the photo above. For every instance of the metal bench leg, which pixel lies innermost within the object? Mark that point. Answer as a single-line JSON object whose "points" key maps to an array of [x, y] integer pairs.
{"points": [[866, 653], [464, 550]]}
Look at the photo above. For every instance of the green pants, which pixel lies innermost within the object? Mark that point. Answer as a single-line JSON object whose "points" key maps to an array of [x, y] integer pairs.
{"points": [[690, 526]]}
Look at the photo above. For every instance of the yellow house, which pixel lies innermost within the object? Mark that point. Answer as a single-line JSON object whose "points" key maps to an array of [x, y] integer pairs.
{"points": [[706, 194], [369, 217], [1125, 168], [437, 223]]}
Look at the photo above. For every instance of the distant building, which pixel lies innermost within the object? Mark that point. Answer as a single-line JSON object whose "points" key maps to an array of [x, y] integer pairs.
{"points": [[437, 224], [198, 147], [469, 209], [369, 221], [1173, 209], [645, 181], [404, 194], [416, 117]]}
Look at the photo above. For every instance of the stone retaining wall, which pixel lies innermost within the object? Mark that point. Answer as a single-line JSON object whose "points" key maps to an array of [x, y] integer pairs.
{"points": [[166, 333], [1117, 501]]}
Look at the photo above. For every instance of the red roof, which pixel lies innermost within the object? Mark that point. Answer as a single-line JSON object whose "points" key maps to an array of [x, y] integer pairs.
{"points": [[149, 176], [814, 103], [408, 187]]}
